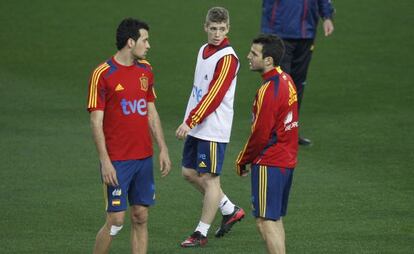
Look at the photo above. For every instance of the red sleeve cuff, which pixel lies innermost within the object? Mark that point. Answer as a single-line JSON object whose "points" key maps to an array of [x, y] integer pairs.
{"points": [[190, 123], [95, 109]]}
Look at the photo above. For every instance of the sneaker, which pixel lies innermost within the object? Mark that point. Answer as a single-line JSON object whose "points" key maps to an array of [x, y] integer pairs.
{"points": [[195, 240], [304, 141], [229, 220]]}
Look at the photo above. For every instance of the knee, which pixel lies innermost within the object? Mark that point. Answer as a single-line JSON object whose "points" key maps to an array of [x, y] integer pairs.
{"points": [[139, 217], [115, 219], [114, 230], [210, 181], [188, 175], [115, 224]]}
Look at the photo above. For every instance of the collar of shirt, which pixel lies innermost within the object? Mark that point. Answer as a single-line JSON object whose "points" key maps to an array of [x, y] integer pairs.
{"points": [[211, 49], [119, 65], [269, 74]]}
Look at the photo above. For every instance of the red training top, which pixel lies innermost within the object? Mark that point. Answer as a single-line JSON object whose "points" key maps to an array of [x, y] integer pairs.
{"points": [[274, 137], [123, 93]]}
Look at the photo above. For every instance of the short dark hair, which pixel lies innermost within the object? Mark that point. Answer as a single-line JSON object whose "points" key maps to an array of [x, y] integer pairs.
{"points": [[273, 46], [129, 28]]}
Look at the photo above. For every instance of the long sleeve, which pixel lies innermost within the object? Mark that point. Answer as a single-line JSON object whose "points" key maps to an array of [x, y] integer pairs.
{"points": [[224, 74], [326, 9], [262, 133]]}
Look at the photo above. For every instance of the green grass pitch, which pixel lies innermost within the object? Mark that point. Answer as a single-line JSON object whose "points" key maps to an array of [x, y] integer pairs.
{"points": [[353, 189]]}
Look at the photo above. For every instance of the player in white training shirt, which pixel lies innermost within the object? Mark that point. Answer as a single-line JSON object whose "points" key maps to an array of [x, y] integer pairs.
{"points": [[207, 126]]}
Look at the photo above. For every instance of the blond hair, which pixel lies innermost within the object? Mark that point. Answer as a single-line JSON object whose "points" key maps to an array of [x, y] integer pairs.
{"points": [[218, 15]]}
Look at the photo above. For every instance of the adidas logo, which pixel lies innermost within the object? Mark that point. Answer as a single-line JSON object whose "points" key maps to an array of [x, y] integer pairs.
{"points": [[117, 192], [202, 165], [119, 87]]}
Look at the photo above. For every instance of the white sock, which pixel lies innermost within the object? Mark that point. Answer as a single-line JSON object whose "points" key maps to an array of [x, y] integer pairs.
{"points": [[226, 206], [203, 228]]}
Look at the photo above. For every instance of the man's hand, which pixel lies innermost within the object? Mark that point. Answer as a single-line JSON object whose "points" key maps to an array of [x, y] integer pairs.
{"points": [[328, 27], [182, 131], [242, 170], [109, 174], [165, 163]]}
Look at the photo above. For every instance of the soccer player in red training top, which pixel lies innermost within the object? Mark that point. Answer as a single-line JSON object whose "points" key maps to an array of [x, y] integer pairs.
{"points": [[273, 144], [207, 122], [122, 112]]}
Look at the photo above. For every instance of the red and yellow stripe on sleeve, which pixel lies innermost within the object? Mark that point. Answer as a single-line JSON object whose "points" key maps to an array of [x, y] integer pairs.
{"points": [[259, 102], [198, 115], [93, 87], [145, 62], [243, 158]]}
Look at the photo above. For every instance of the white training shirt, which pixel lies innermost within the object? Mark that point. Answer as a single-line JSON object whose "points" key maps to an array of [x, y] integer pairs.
{"points": [[216, 126]]}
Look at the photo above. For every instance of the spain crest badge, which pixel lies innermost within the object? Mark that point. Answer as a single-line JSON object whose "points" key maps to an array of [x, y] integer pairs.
{"points": [[144, 83]]}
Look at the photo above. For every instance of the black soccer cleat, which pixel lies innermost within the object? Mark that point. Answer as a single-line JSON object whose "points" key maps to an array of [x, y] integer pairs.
{"points": [[229, 220], [304, 141]]}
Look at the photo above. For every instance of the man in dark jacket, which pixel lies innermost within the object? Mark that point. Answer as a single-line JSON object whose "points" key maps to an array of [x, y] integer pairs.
{"points": [[295, 21]]}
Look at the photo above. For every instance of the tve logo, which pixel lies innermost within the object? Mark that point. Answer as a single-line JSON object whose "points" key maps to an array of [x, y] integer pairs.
{"points": [[139, 107]]}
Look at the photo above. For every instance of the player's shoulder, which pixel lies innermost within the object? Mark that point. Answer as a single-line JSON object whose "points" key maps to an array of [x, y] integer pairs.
{"points": [[266, 87], [101, 68], [286, 85], [229, 52], [144, 64], [283, 77], [232, 55], [271, 87], [102, 65]]}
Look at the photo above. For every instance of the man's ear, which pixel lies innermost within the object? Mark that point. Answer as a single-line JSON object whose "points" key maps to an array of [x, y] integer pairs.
{"points": [[268, 60], [130, 43]]}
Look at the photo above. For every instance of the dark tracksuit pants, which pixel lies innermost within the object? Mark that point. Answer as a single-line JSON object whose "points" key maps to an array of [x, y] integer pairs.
{"points": [[296, 61]]}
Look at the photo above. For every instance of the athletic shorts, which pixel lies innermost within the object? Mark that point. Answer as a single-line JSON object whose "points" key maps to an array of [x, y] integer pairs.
{"points": [[136, 183], [203, 156], [270, 191]]}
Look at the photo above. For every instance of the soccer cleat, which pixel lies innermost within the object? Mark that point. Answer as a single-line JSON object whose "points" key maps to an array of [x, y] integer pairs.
{"points": [[195, 240], [304, 141], [229, 220]]}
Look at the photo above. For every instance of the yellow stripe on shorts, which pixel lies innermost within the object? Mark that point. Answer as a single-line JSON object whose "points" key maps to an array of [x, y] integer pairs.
{"points": [[213, 157], [105, 191], [262, 190]]}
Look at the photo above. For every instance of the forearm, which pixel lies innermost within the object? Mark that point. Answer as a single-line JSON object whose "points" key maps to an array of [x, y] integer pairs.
{"points": [[158, 134], [156, 129], [247, 156], [99, 138], [251, 150], [326, 9]]}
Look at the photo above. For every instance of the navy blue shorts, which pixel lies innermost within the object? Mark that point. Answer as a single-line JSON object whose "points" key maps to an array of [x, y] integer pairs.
{"points": [[203, 156], [270, 191], [136, 183]]}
